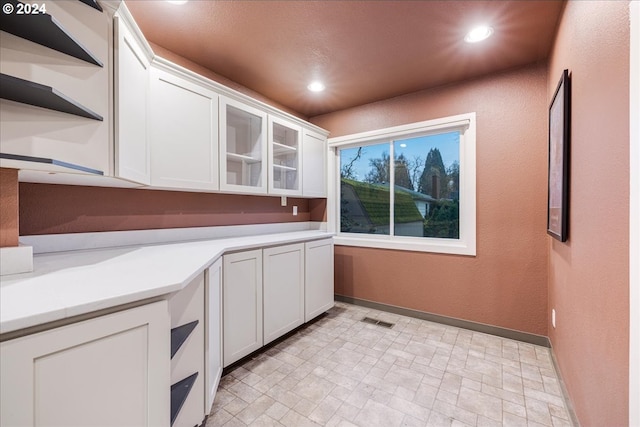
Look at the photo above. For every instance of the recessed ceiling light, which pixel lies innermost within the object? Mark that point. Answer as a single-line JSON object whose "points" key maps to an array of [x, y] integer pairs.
{"points": [[478, 34], [316, 86], [177, 1]]}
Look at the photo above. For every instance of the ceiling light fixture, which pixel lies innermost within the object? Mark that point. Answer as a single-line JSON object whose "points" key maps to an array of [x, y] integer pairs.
{"points": [[177, 1], [478, 34], [316, 86]]}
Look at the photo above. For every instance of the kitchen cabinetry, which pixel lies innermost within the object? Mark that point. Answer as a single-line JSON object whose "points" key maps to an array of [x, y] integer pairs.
{"points": [[314, 164], [111, 370], [318, 282], [242, 302], [243, 147], [283, 290], [183, 129], [285, 157], [213, 338], [132, 57], [272, 291], [187, 354]]}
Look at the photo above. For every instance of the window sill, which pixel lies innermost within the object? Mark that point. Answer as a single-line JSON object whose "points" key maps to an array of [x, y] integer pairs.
{"points": [[441, 246]]}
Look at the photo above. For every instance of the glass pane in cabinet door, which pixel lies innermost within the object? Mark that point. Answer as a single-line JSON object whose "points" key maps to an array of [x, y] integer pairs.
{"points": [[244, 148], [285, 157]]}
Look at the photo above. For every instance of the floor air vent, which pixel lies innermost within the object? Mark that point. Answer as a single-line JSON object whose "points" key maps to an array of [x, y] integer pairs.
{"points": [[377, 322]]}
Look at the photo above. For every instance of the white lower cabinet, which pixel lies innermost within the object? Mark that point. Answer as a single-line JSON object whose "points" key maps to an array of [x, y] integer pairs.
{"points": [[213, 337], [318, 282], [242, 304], [283, 290], [112, 370], [270, 292]]}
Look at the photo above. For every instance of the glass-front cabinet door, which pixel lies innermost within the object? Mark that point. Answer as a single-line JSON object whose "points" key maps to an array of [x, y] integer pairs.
{"points": [[243, 147], [284, 157]]}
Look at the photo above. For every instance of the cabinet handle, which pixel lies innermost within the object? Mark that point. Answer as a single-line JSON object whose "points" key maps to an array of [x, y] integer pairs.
{"points": [[179, 393], [180, 334]]}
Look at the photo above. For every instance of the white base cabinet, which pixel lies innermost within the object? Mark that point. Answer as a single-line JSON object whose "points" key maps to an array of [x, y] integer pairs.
{"points": [[242, 296], [318, 282], [269, 292], [283, 290], [109, 371]]}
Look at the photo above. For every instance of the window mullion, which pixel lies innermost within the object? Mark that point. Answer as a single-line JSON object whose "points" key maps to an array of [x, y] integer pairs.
{"points": [[392, 182]]}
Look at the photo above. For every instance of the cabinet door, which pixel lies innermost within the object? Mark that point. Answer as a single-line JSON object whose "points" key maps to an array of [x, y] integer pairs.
{"points": [[183, 129], [314, 164], [213, 319], [285, 157], [283, 290], [186, 307], [132, 60], [242, 304], [318, 278], [243, 148], [108, 371]]}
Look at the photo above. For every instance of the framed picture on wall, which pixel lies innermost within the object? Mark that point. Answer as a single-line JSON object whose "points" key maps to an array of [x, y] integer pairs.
{"points": [[559, 133]]}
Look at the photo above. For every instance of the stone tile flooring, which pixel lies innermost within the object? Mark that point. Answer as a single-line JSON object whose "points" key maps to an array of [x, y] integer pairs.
{"points": [[340, 371]]}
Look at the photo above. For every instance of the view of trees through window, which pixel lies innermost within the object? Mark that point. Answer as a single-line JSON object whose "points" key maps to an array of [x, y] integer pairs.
{"points": [[425, 187]]}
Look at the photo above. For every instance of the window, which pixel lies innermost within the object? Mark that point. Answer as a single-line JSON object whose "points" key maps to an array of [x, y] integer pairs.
{"points": [[410, 187]]}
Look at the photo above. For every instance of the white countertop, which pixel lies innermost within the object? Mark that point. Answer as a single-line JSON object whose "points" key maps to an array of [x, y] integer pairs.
{"points": [[67, 284]]}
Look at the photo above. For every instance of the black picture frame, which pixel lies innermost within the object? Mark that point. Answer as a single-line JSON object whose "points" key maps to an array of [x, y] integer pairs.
{"points": [[559, 140]]}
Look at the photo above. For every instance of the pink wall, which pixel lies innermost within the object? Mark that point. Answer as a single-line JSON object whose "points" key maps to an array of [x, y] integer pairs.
{"points": [[589, 274], [8, 207], [506, 283], [55, 209]]}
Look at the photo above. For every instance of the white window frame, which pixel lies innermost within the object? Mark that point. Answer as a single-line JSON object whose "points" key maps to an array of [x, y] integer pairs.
{"points": [[466, 243]]}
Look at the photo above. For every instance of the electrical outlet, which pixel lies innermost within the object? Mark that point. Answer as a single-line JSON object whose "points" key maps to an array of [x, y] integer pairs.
{"points": [[553, 318], [283, 201], [295, 211]]}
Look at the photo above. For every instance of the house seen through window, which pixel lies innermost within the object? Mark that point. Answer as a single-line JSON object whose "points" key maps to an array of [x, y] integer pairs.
{"points": [[404, 187]]}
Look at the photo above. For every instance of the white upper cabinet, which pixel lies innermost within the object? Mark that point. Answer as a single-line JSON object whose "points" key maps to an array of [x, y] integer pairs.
{"points": [[132, 57], [314, 164], [285, 157], [183, 130], [243, 148]]}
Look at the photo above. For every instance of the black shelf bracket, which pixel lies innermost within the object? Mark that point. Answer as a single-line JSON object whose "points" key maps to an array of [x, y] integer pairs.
{"points": [[31, 93], [180, 334], [93, 3], [44, 30], [179, 393]]}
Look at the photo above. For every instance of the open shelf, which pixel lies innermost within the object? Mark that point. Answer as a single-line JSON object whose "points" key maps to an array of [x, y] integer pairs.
{"points": [[180, 334], [179, 393], [44, 30], [241, 158], [283, 167], [93, 3], [31, 93], [15, 161], [283, 148]]}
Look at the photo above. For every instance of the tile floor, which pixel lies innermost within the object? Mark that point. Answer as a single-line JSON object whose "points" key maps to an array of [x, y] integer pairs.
{"points": [[340, 371]]}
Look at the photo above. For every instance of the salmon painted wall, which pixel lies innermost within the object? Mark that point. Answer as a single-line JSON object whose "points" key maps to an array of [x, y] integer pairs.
{"points": [[506, 283], [8, 207], [589, 274], [55, 209]]}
